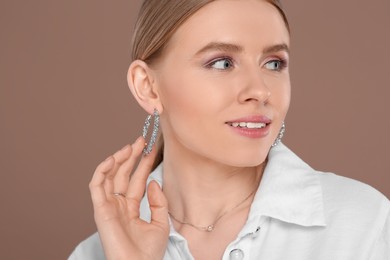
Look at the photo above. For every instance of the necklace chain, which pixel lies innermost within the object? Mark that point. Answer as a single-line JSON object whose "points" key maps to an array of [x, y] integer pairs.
{"points": [[211, 227]]}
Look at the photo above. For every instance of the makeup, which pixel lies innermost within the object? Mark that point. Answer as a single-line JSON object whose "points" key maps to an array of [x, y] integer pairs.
{"points": [[251, 126]]}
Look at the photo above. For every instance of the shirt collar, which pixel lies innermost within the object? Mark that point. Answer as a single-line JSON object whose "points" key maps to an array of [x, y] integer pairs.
{"points": [[290, 190]]}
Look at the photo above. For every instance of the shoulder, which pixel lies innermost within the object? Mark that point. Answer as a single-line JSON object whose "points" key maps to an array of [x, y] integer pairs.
{"points": [[356, 211], [89, 249], [352, 201], [342, 191], [340, 194], [342, 198]]}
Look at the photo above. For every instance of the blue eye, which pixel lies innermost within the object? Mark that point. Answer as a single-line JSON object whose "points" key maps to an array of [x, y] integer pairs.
{"points": [[221, 64], [276, 65]]}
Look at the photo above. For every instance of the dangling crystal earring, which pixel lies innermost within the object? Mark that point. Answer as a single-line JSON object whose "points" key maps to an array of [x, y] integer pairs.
{"points": [[145, 130], [280, 135]]}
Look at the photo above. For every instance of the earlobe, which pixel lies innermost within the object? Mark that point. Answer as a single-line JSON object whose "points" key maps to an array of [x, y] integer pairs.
{"points": [[142, 85]]}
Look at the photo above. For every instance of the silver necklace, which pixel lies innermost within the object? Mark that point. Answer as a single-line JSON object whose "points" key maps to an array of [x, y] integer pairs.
{"points": [[211, 227]]}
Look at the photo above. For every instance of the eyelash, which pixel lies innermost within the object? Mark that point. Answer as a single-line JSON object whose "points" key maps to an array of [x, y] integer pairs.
{"points": [[282, 63], [210, 64]]}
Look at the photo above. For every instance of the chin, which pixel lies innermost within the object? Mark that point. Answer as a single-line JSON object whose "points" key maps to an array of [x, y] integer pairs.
{"points": [[246, 164], [246, 160]]}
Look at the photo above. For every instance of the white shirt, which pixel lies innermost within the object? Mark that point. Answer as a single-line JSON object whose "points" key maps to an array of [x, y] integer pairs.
{"points": [[297, 214]]}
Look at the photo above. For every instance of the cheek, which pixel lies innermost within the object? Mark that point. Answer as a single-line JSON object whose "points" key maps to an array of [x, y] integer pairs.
{"points": [[285, 99], [180, 98], [194, 113], [280, 97], [193, 94], [185, 107]]}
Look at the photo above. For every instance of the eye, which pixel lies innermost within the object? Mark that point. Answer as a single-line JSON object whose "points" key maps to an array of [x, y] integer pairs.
{"points": [[221, 64], [276, 65]]}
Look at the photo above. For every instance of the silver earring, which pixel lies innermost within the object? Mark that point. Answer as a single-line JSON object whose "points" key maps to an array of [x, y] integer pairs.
{"points": [[145, 130], [280, 135]]}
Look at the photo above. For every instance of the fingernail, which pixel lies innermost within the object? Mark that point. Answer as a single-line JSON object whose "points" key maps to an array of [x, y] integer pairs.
{"points": [[140, 140]]}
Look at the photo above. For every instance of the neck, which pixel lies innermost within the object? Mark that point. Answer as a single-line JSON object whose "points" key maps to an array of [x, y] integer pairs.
{"points": [[199, 190]]}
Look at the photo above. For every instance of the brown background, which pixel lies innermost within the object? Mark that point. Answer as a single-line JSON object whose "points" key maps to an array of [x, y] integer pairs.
{"points": [[65, 106]]}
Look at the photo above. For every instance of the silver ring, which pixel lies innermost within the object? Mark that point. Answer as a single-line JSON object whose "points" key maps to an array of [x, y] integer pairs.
{"points": [[120, 194]]}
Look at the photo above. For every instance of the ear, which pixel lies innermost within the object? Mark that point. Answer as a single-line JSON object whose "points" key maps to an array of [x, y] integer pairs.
{"points": [[142, 84]]}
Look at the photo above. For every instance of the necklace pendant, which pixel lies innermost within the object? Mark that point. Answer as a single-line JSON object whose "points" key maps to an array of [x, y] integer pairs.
{"points": [[210, 228]]}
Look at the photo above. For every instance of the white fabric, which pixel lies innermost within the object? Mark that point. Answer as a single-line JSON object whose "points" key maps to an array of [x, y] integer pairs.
{"points": [[297, 214]]}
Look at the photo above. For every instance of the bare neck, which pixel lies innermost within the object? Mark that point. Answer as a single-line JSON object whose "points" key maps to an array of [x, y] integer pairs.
{"points": [[200, 190]]}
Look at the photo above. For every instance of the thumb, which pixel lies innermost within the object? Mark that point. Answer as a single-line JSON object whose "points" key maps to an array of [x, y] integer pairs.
{"points": [[158, 204]]}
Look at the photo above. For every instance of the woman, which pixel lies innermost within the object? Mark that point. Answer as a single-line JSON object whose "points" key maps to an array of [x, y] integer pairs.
{"points": [[215, 75]]}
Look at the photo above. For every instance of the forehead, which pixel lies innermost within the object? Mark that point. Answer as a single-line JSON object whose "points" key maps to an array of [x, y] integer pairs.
{"points": [[245, 22]]}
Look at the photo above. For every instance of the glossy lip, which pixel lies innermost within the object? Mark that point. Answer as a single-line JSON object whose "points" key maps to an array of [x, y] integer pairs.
{"points": [[251, 133], [252, 119]]}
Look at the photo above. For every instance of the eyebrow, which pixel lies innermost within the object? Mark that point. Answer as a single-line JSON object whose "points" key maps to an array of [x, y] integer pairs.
{"points": [[229, 47], [276, 48], [220, 46]]}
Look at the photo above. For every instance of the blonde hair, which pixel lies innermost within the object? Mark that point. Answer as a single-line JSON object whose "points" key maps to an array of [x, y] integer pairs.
{"points": [[157, 22]]}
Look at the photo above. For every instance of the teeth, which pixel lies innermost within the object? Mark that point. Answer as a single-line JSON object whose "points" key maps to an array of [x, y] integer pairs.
{"points": [[248, 125], [255, 125]]}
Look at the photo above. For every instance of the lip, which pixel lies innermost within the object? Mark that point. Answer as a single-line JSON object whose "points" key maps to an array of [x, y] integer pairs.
{"points": [[252, 119], [251, 132]]}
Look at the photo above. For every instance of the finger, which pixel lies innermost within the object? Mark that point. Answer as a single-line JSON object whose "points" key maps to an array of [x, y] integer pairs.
{"points": [[122, 155], [158, 205], [119, 158], [122, 177], [96, 185], [137, 182]]}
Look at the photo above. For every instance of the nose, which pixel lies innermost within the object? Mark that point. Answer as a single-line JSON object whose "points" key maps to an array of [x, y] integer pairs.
{"points": [[254, 88]]}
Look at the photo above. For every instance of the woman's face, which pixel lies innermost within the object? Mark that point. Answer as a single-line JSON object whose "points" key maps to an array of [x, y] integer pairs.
{"points": [[224, 83]]}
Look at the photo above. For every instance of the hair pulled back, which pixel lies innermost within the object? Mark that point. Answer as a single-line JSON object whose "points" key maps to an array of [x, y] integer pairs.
{"points": [[157, 22], [159, 19]]}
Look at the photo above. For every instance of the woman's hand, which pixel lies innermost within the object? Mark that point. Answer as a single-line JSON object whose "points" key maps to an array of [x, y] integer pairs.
{"points": [[116, 202]]}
